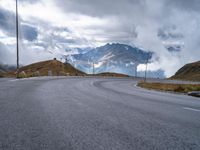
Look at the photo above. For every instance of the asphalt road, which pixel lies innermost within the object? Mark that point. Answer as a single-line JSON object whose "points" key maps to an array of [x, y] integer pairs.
{"points": [[95, 114]]}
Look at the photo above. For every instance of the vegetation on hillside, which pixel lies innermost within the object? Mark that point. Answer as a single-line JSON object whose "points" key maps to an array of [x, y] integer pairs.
{"points": [[45, 68], [183, 88], [188, 72], [50, 67], [110, 74]]}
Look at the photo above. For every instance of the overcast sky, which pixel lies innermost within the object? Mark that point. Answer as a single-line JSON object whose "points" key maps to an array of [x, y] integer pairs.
{"points": [[49, 27]]}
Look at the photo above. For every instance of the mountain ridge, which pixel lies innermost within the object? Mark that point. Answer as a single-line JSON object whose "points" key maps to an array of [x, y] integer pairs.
{"points": [[114, 57]]}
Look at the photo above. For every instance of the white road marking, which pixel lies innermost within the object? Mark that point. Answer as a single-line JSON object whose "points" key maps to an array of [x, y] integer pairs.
{"points": [[192, 109], [14, 80], [43, 77], [22, 79]]}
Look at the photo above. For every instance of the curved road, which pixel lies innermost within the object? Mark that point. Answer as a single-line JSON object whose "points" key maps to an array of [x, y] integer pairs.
{"points": [[94, 114]]}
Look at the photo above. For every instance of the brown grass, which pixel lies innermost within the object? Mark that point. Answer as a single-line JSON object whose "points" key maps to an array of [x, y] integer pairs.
{"points": [[182, 88], [57, 68], [1, 75], [190, 72], [110, 74], [7, 74], [41, 69]]}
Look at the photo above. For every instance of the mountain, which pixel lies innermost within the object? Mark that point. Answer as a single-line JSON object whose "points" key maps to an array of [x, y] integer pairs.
{"points": [[83, 50], [152, 74], [5, 68], [188, 72], [118, 58]]}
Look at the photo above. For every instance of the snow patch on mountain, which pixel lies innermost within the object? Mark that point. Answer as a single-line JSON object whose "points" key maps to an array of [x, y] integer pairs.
{"points": [[115, 57]]}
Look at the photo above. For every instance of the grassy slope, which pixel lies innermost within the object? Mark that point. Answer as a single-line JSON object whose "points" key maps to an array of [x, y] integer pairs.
{"points": [[110, 74], [183, 88], [57, 68], [1, 74], [188, 72]]}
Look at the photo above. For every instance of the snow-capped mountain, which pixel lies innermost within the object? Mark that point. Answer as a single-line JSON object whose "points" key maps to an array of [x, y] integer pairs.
{"points": [[119, 58]]}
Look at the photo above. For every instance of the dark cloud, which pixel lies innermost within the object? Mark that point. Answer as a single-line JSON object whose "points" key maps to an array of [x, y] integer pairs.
{"points": [[8, 26], [169, 33], [7, 22], [175, 48], [100, 8], [61, 29], [29, 33], [189, 5]]}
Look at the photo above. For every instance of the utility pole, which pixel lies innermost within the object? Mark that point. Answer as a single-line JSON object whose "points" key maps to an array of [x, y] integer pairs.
{"points": [[146, 68], [17, 38], [135, 70], [93, 67]]}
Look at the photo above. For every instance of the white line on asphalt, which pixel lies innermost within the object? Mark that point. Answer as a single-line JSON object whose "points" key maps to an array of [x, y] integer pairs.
{"points": [[32, 78], [192, 109], [14, 80]]}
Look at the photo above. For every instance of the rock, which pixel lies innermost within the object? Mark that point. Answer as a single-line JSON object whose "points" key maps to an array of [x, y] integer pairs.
{"points": [[194, 93]]}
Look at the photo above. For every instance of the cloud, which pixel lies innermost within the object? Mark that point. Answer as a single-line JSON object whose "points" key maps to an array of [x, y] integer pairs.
{"points": [[7, 22], [29, 1], [100, 8], [170, 28], [28, 32], [186, 5]]}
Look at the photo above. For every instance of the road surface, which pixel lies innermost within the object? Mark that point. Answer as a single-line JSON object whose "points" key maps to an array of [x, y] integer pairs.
{"points": [[95, 114]]}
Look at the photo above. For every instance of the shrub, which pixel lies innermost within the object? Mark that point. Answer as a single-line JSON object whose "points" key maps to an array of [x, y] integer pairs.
{"points": [[36, 74], [22, 75]]}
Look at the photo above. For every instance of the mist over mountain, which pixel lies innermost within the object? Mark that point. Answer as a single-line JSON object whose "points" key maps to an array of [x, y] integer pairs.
{"points": [[5, 68], [115, 57]]}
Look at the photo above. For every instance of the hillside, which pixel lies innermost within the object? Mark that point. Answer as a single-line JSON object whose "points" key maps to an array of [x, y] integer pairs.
{"points": [[45, 68], [50, 67], [188, 72], [110, 74], [1, 73], [7, 70]]}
